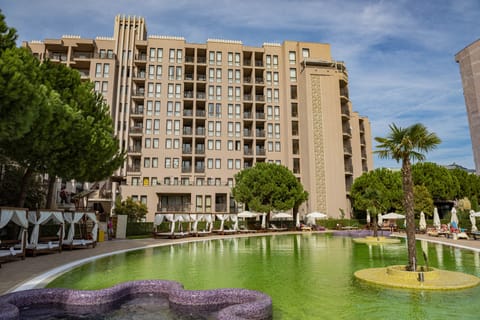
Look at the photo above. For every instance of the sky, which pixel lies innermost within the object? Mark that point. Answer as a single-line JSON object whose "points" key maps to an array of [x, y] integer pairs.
{"points": [[400, 54]]}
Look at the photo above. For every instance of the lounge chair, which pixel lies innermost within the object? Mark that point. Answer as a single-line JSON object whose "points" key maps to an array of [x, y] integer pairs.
{"points": [[13, 249], [276, 229]]}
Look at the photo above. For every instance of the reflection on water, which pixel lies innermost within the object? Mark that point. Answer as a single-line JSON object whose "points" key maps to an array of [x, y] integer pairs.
{"points": [[308, 276]]}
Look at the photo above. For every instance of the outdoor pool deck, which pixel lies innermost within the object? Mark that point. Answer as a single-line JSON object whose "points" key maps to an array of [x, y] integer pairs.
{"points": [[15, 273]]}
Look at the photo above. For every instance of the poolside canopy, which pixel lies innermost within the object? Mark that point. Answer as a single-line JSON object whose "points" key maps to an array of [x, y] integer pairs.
{"points": [[393, 215]]}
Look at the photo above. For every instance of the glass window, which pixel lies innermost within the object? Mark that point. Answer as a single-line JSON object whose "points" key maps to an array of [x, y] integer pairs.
{"points": [[277, 112], [230, 58], [155, 143], [293, 74], [218, 128], [156, 126], [275, 61], [104, 86], [169, 126], [154, 162], [219, 75], [211, 57], [168, 163], [151, 72], [157, 108], [159, 72], [230, 111], [230, 164], [269, 112], [148, 143], [238, 164], [149, 108], [179, 55], [168, 143], [210, 144], [229, 145], [230, 75], [237, 59], [218, 144], [146, 162], [268, 60], [106, 70], [218, 163], [148, 126], [178, 108], [277, 146], [171, 72], [171, 56], [176, 143], [219, 57], [178, 73], [306, 53], [291, 57], [176, 162], [159, 54], [98, 70], [152, 54], [158, 90], [169, 108], [210, 163], [97, 86]]}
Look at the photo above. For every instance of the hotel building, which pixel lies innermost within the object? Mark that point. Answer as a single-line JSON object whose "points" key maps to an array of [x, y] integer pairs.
{"points": [[469, 61], [191, 115]]}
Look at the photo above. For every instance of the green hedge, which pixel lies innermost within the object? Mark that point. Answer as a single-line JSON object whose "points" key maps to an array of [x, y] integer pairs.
{"points": [[139, 228]]}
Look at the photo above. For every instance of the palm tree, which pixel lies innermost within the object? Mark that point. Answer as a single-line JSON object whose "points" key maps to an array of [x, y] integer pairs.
{"points": [[406, 144]]}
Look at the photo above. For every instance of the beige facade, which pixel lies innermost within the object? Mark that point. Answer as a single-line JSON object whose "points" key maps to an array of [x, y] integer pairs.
{"points": [[469, 61], [192, 115]]}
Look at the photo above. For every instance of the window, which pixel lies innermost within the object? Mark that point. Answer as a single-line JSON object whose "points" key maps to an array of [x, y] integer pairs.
{"points": [[291, 57], [269, 112], [230, 111], [168, 163], [211, 57], [97, 86], [150, 89], [276, 95], [270, 146], [106, 70], [154, 162], [104, 86], [230, 93], [157, 108], [176, 162], [177, 127], [277, 131], [218, 163], [238, 164], [230, 75], [151, 72], [178, 73], [230, 164], [209, 163], [135, 181], [211, 91], [169, 108], [275, 61], [268, 61], [230, 145], [230, 58], [155, 143], [179, 55], [238, 95], [219, 75], [170, 90], [269, 95], [269, 77], [178, 108], [149, 108], [218, 128], [168, 143], [238, 129], [211, 75], [148, 143], [171, 56], [293, 74], [277, 146], [152, 54], [211, 110], [156, 126], [148, 126], [178, 91], [270, 130], [159, 54], [275, 77], [230, 129], [158, 90], [98, 70], [159, 72], [210, 144], [146, 162], [237, 59], [169, 126], [306, 53], [198, 203], [171, 73], [211, 128], [218, 144], [154, 181], [218, 110], [238, 111], [237, 76], [176, 143], [219, 92], [219, 57]]}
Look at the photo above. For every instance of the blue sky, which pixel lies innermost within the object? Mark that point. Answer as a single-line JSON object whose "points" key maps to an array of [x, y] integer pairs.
{"points": [[399, 53]]}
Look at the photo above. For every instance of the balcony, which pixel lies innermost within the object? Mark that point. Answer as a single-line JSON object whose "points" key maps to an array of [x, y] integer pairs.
{"points": [[142, 57], [199, 150], [186, 169], [135, 149], [247, 115], [136, 112], [187, 131], [345, 112], [188, 94], [174, 208], [261, 152], [133, 168], [201, 95], [199, 169], [260, 133], [259, 97], [220, 207], [188, 113], [136, 130], [247, 97], [187, 149], [260, 115], [200, 113], [140, 94], [248, 152], [247, 133], [259, 80], [200, 131]]}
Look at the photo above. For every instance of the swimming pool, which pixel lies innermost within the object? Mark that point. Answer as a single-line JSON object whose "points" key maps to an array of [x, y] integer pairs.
{"points": [[308, 276]]}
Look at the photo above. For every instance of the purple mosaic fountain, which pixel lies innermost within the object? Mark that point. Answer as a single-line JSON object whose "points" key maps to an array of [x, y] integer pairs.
{"points": [[228, 304], [359, 233]]}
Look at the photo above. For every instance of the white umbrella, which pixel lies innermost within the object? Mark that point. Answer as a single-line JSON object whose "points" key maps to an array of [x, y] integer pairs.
{"points": [[423, 224], [454, 218], [297, 222], [368, 217], [380, 220], [473, 221], [282, 215], [316, 215], [264, 220], [393, 215], [436, 218], [247, 214]]}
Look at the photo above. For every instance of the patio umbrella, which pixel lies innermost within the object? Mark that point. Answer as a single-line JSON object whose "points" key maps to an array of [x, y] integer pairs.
{"points": [[246, 214], [436, 218], [393, 215], [380, 220], [282, 216], [264, 220], [313, 216], [368, 217], [297, 222], [473, 221], [423, 224], [454, 218]]}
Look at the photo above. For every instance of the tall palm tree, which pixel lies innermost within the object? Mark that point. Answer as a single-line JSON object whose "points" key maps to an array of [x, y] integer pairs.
{"points": [[406, 144]]}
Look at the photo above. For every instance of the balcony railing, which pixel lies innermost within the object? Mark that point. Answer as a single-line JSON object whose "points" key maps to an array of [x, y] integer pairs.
{"points": [[174, 208], [186, 169], [199, 169], [134, 168], [136, 129], [247, 115], [200, 113], [186, 149], [200, 131], [187, 130], [261, 152], [135, 149]]}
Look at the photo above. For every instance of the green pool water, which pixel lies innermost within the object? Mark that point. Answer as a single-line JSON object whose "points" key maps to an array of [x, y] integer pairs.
{"points": [[308, 276]]}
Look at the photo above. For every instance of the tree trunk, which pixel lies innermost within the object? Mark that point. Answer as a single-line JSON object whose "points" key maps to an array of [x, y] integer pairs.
{"points": [[50, 193], [410, 214], [23, 190], [375, 226]]}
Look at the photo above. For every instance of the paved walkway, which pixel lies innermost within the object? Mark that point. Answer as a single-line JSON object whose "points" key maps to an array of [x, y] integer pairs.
{"points": [[13, 274]]}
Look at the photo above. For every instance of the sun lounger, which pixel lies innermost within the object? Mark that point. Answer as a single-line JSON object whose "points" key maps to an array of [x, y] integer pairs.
{"points": [[13, 249], [276, 229]]}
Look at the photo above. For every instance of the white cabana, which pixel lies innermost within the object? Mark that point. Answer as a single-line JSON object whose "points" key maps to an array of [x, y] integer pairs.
{"points": [[74, 218], [16, 215], [436, 219], [42, 217], [423, 223], [19, 217], [222, 218]]}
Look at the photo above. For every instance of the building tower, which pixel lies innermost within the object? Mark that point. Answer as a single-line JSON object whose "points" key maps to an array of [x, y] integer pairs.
{"points": [[469, 61], [190, 116]]}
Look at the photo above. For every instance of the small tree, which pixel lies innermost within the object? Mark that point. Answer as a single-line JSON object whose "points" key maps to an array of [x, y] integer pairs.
{"points": [[268, 187], [423, 200], [134, 210]]}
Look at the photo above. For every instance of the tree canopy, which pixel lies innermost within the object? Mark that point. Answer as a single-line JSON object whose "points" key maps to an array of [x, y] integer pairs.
{"points": [[134, 210], [439, 181], [268, 187]]}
